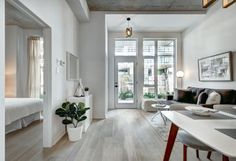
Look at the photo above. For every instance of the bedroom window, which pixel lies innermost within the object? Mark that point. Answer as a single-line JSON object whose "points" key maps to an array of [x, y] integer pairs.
{"points": [[36, 67], [41, 68], [158, 57]]}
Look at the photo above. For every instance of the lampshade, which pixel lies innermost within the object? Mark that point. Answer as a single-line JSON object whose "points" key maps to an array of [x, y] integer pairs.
{"points": [[128, 32], [180, 74]]}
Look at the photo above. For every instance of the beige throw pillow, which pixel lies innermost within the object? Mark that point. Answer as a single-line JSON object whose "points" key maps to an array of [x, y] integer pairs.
{"points": [[213, 98]]}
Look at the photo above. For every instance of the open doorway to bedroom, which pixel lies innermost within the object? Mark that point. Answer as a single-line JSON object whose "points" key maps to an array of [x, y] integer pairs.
{"points": [[26, 77]]}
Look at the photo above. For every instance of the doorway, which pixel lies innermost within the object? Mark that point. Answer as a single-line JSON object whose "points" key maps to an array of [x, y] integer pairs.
{"points": [[125, 73], [125, 82], [28, 27]]}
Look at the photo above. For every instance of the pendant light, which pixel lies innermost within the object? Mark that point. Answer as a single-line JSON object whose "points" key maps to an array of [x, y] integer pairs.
{"points": [[128, 30], [225, 3]]}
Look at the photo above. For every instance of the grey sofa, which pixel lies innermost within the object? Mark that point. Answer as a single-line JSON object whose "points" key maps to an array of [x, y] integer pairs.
{"points": [[189, 97]]}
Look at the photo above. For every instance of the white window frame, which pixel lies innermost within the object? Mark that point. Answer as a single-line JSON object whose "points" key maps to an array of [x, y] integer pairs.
{"points": [[155, 57]]}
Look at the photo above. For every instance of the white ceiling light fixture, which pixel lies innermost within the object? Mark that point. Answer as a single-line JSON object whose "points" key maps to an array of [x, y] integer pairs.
{"points": [[128, 30]]}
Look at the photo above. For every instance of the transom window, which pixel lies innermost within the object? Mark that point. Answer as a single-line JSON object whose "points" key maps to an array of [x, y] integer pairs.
{"points": [[124, 47], [148, 48]]}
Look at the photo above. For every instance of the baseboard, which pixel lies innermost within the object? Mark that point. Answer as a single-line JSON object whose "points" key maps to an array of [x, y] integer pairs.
{"points": [[98, 119], [58, 137]]}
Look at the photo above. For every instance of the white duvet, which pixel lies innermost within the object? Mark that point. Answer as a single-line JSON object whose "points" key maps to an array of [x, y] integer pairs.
{"points": [[17, 108]]}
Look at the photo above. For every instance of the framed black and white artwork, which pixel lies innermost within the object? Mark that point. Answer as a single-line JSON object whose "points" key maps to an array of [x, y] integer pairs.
{"points": [[215, 68]]}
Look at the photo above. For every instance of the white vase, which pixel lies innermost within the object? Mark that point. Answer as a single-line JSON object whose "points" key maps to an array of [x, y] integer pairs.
{"points": [[75, 134], [86, 93]]}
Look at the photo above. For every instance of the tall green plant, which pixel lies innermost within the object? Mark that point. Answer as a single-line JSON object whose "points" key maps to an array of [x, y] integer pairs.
{"points": [[73, 113]]}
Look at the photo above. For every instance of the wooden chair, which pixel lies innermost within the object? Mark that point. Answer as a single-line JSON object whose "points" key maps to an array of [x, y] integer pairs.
{"points": [[189, 141]]}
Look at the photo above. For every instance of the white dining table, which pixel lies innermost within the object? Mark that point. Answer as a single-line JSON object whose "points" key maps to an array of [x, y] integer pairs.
{"points": [[204, 130]]}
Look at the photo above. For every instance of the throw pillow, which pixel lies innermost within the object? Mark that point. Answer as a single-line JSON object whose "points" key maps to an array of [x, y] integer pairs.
{"points": [[196, 92], [182, 95], [213, 98], [202, 98]]}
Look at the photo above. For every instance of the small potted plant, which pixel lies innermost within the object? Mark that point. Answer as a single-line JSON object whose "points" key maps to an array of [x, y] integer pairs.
{"points": [[73, 115], [86, 91], [169, 96]]}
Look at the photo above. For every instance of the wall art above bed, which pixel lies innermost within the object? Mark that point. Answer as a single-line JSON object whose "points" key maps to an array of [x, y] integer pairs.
{"points": [[215, 68]]}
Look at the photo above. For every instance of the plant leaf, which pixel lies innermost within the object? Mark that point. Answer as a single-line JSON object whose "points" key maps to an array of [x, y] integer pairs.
{"points": [[66, 122], [72, 108], [61, 112], [82, 118], [81, 105], [65, 104]]}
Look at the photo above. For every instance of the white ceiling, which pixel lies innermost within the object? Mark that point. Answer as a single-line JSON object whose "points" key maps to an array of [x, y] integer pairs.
{"points": [[153, 22]]}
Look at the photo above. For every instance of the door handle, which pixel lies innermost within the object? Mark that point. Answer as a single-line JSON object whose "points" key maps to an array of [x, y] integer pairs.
{"points": [[116, 84]]}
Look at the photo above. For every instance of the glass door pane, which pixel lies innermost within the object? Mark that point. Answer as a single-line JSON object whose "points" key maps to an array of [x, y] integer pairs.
{"points": [[126, 82], [149, 72], [165, 67]]}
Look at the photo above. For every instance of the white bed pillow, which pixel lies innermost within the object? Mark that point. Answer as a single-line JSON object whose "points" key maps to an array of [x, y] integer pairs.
{"points": [[213, 98]]}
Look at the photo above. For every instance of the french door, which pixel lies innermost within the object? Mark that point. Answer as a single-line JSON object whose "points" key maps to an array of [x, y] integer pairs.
{"points": [[125, 82]]}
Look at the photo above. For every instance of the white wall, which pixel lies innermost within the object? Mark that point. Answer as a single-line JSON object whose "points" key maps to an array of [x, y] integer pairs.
{"points": [[92, 57], [12, 49], [64, 37], [139, 36], [215, 34], [2, 80]]}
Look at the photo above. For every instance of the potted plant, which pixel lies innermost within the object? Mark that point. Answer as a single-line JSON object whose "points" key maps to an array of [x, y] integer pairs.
{"points": [[86, 91], [169, 96], [73, 115]]}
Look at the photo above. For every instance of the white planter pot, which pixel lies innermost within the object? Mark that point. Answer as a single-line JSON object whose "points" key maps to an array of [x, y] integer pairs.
{"points": [[75, 134]]}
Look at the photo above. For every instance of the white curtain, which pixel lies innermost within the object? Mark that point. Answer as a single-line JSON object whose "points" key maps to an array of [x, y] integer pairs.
{"points": [[34, 67]]}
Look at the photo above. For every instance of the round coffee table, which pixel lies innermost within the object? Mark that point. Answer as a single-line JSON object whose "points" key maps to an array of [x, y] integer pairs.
{"points": [[160, 107]]}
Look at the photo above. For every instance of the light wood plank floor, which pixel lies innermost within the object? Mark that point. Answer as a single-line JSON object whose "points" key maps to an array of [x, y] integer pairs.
{"points": [[124, 136]]}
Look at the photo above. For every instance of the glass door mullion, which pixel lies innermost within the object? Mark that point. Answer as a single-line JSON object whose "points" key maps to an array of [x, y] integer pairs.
{"points": [[155, 69]]}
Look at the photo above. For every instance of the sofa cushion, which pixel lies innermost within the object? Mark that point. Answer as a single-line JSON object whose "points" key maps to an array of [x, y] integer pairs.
{"points": [[147, 105], [180, 106], [227, 96], [196, 92], [182, 95]]}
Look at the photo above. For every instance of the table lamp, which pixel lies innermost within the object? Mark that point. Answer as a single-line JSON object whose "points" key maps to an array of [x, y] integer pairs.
{"points": [[180, 75]]}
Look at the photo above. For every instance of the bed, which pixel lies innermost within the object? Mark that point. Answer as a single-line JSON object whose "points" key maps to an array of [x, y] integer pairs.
{"points": [[20, 112]]}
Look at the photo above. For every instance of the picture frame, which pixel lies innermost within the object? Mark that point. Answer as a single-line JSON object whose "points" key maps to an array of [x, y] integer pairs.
{"points": [[207, 3], [227, 3], [72, 67], [215, 68]]}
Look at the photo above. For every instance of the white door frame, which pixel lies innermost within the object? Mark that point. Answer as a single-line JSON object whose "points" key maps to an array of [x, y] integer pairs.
{"points": [[2, 79], [125, 59], [47, 100]]}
